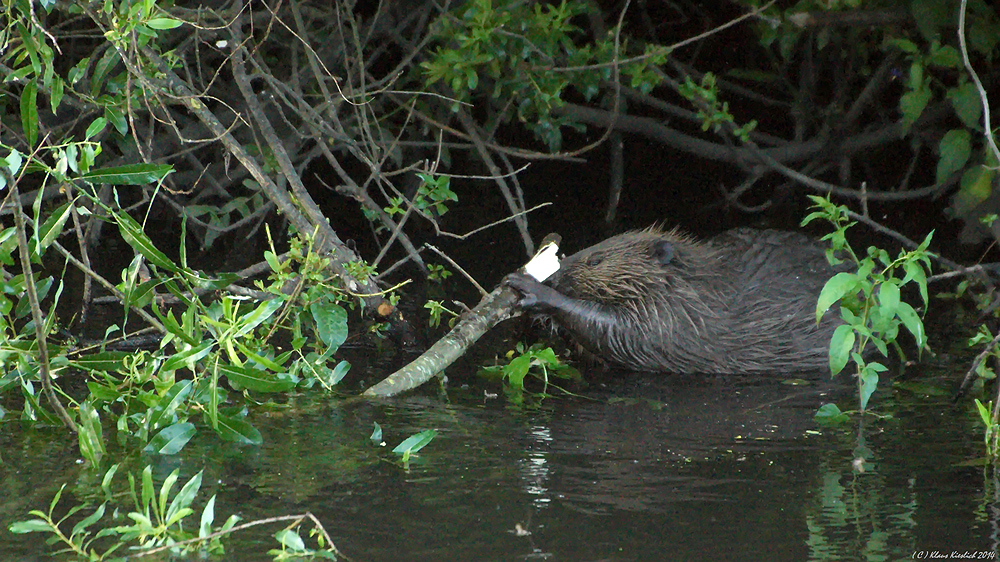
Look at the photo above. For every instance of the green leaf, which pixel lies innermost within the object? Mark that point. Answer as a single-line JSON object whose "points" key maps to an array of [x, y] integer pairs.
{"points": [[55, 499], [915, 272], [331, 323], [183, 499], [167, 406], [905, 45], [913, 324], [841, 345], [187, 357], [965, 100], [836, 288], [888, 297], [954, 149], [147, 487], [517, 369], [131, 174], [272, 260], [975, 187], [272, 365], [51, 228], [985, 412], [164, 23], [376, 436], [912, 105], [132, 232], [96, 127], [930, 16], [171, 439], [89, 520], [89, 434], [13, 162], [257, 380], [338, 373], [106, 481], [30, 526], [252, 319], [946, 56], [238, 431], [118, 120], [140, 295], [290, 540], [869, 382], [29, 112], [207, 518], [415, 442], [57, 93], [830, 414], [165, 488]]}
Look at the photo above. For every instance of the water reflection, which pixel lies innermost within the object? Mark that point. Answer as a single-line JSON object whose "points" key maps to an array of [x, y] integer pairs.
{"points": [[641, 468]]}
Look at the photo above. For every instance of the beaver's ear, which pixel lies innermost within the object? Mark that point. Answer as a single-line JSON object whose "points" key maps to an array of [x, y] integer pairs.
{"points": [[663, 252]]}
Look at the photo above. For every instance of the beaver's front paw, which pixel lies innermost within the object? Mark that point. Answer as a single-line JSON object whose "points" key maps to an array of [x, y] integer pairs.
{"points": [[528, 286]]}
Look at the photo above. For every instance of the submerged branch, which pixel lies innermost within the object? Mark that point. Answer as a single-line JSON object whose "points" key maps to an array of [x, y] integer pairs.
{"points": [[493, 309]]}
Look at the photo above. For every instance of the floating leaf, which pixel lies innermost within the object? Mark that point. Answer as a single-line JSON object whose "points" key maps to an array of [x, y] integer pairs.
{"points": [[830, 414], [415, 442]]}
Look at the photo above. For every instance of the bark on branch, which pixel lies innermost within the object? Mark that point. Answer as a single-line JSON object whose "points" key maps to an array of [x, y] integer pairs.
{"points": [[493, 309]]}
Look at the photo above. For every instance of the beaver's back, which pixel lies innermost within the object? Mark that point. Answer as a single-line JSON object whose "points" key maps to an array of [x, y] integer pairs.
{"points": [[741, 302]]}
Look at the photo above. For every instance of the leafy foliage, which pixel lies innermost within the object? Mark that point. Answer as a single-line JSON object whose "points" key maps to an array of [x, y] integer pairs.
{"points": [[531, 53], [991, 437], [869, 299], [536, 361], [154, 397], [713, 112], [409, 446], [157, 519]]}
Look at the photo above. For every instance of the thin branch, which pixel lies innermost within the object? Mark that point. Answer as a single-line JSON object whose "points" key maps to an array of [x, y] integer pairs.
{"points": [[444, 256], [41, 338], [987, 131]]}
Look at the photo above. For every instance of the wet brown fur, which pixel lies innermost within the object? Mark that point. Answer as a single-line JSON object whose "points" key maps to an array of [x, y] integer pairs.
{"points": [[655, 300]]}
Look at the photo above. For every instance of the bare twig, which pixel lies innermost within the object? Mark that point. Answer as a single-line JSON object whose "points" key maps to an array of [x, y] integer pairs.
{"points": [[41, 337], [987, 130], [471, 279]]}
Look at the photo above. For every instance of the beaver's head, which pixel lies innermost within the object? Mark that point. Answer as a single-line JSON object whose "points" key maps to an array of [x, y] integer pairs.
{"points": [[631, 267]]}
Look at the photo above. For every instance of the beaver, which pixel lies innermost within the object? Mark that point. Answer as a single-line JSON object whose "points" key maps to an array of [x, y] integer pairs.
{"points": [[653, 300]]}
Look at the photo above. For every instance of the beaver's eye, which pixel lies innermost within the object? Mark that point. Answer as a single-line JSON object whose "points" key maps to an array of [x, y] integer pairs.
{"points": [[594, 260], [663, 252]]}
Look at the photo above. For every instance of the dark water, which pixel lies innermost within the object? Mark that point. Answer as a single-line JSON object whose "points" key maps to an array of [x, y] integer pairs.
{"points": [[640, 468]]}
